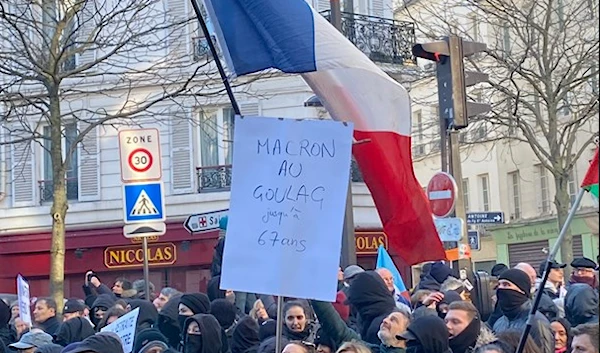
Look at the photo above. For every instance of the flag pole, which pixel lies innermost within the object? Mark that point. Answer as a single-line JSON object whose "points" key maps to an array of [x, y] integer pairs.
{"points": [[551, 256], [215, 55]]}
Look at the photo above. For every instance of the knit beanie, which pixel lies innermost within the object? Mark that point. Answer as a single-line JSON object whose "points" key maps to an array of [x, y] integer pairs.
{"points": [[440, 272], [224, 312], [518, 278], [498, 269], [145, 336], [197, 302]]}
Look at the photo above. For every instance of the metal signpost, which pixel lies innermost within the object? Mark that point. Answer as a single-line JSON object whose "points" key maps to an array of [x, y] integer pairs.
{"points": [[143, 194]]}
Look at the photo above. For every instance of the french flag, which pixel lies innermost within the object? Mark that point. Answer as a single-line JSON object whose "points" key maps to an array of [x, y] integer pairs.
{"points": [[291, 36]]}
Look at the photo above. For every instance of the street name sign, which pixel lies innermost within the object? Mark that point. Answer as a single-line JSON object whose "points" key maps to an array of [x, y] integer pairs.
{"points": [[485, 217], [140, 155]]}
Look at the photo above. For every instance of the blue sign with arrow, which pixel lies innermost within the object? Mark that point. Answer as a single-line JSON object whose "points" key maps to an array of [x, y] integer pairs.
{"points": [[485, 217], [143, 202]]}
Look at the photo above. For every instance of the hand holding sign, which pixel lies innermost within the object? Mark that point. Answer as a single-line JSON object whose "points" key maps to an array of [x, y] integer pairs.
{"points": [[289, 185]]}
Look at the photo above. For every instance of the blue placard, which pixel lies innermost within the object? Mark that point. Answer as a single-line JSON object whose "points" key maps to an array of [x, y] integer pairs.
{"points": [[143, 202]]}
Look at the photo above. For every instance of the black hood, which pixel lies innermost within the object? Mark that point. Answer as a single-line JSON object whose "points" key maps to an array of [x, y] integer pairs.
{"points": [[167, 323], [103, 300], [431, 334], [4, 314], [148, 313], [370, 297], [73, 330], [211, 333], [581, 304], [245, 335]]}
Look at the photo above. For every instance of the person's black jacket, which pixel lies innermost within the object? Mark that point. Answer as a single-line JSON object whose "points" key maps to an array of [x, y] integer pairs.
{"points": [[147, 316], [73, 330], [540, 330], [7, 335], [581, 304], [547, 307], [49, 326], [167, 323], [217, 260], [431, 333]]}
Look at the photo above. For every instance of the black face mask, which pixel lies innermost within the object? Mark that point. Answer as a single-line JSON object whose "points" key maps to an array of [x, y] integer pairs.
{"points": [[181, 320], [511, 301], [193, 344]]}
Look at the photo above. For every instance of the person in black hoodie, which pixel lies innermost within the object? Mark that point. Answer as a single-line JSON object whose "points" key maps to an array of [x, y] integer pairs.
{"points": [[100, 306], [438, 273], [226, 314], [245, 336], [581, 304], [148, 313], [372, 300], [73, 330], [191, 304], [427, 334], [202, 334], [167, 322], [7, 335]]}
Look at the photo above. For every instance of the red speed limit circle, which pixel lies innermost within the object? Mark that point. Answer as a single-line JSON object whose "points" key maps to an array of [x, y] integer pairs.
{"points": [[140, 160]]}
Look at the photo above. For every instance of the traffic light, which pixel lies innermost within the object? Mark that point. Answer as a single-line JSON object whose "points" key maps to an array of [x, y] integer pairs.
{"points": [[452, 79]]}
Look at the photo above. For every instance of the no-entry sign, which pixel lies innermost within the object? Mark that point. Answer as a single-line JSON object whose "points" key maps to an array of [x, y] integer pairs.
{"points": [[140, 155], [441, 192]]}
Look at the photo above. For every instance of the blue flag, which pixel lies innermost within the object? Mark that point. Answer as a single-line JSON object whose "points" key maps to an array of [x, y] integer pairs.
{"points": [[385, 261]]}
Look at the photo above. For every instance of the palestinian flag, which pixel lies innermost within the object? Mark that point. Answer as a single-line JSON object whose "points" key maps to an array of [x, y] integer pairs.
{"points": [[590, 182]]}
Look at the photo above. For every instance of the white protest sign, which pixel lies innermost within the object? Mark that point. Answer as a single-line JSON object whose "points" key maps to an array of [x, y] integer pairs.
{"points": [[24, 300], [288, 195], [125, 328]]}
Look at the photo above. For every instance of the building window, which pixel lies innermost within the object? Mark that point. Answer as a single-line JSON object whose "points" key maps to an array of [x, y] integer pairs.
{"points": [[543, 189], [47, 182], [418, 125], [514, 189], [465, 190], [572, 186], [484, 186], [216, 136]]}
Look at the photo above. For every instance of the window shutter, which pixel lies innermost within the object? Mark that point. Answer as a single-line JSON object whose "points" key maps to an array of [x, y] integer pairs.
{"points": [[86, 27], [323, 5], [250, 108], [377, 8], [178, 41], [89, 164], [538, 188], [181, 156], [22, 174]]}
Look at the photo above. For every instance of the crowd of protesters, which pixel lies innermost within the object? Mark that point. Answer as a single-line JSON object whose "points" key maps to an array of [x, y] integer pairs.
{"points": [[367, 316]]}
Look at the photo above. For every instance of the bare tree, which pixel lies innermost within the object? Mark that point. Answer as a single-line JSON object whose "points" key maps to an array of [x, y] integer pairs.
{"points": [[542, 60], [57, 54]]}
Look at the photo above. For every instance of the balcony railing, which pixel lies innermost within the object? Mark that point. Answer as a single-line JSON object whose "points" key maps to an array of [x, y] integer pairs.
{"points": [[214, 178], [381, 39], [47, 190], [218, 178]]}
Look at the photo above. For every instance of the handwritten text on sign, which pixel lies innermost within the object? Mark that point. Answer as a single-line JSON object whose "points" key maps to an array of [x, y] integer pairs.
{"points": [[125, 328], [288, 195]]}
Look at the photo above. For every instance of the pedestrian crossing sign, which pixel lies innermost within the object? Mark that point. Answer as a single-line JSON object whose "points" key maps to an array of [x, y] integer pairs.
{"points": [[143, 202]]}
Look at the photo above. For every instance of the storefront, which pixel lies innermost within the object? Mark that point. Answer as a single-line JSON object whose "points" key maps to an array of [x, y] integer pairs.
{"points": [[530, 242], [177, 259]]}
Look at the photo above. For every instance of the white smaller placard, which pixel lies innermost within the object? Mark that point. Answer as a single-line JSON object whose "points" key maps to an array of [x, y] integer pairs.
{"points": [[125, 328], [24, 300]]}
